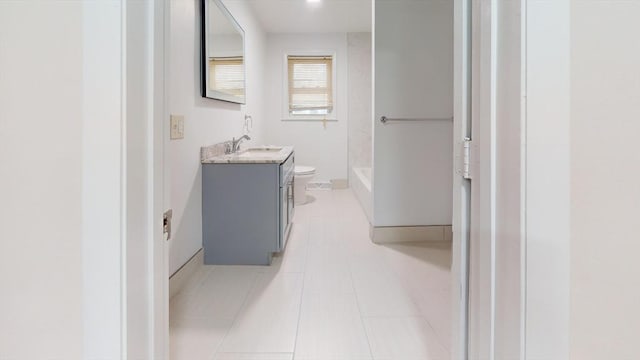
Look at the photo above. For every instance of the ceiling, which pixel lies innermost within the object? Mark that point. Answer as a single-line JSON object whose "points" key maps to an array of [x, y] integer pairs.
{"points": [[326, 16]]}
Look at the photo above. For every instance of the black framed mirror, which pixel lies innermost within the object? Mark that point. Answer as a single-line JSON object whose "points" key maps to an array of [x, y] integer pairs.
{"points": [[223, 54]]}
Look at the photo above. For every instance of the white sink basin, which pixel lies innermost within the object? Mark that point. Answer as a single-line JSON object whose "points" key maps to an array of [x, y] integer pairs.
{"points": [[265, 149], [260, 151]]}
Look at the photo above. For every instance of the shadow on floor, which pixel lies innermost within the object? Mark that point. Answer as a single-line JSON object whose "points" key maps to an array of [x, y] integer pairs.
{"points": [[426, 252]]}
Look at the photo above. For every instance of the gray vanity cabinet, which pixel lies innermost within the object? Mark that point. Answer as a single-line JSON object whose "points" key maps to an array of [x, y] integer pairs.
{"points": [[247, 210]]}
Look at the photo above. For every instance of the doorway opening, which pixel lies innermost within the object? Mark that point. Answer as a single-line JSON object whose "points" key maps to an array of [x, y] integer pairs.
{"points": [[368, 270]]}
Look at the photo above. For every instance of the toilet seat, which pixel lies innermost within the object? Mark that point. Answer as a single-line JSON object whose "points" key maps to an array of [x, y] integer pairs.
{"points": [[304, 170]]}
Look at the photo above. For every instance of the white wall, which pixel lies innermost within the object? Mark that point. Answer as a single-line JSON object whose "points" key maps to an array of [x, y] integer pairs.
{"points": [[64, 159], [360, 82], [412, 162], [324, 147], [225, 45], [605, 168], [41, 176], [582, 170], [547, 178], [206, 121]]}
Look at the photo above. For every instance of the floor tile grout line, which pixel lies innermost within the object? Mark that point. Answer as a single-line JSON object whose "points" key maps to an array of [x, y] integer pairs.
{"points": [[202, 284], [398, 280], [196, 287], [257, 274], [261, 353], [308, 240], [364, 328], [393, 317], [237, 314], [334, 229], [436, 336], [396, 276], [437, 333]]}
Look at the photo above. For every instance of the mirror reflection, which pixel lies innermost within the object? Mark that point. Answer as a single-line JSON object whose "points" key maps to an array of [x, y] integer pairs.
{"points": [[223, 50]]}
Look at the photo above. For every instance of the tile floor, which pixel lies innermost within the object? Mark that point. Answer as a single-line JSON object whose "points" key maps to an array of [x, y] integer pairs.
{"points": [[332, 295]]}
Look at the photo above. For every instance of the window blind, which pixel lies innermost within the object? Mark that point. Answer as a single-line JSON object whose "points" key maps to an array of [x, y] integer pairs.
{"points": [[227, 75], [310, 84]]}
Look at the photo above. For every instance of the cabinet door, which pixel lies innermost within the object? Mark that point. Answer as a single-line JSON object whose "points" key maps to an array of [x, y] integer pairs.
{"points": [[240, 213]]}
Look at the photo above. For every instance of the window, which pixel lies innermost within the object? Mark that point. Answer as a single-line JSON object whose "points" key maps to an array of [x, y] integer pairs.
{"points": [[310, 85], [226, 74]]}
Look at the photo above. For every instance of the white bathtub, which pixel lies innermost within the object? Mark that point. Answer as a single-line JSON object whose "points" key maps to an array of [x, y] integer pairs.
{"points": [[361, 186]]}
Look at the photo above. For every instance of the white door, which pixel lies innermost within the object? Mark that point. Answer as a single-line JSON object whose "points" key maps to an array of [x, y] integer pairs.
{"points": [[461, 185], [480, 127]]}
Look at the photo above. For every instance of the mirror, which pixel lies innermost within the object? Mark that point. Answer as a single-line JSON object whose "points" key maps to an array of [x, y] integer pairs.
{"points": [[223, 76]]}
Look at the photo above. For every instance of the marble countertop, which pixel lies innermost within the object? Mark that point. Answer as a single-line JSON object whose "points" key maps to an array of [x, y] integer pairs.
{"points": [[251, 155]]}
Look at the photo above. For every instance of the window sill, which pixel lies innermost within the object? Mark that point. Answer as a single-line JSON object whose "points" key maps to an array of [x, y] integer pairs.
{"points": [[313, 119]]}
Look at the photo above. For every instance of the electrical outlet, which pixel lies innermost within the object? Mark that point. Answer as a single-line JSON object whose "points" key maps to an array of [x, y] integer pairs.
{"points": [[177, 127]]}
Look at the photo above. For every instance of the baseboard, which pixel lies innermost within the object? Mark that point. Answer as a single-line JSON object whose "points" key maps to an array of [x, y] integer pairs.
{"points": [[180, 277], [319, 185], [396, 234], [333, 184], [338, 184]]}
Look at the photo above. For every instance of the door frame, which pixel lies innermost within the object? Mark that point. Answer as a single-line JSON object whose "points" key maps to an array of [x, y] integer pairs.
{"points": [[159, 253], [468, 342], [481, 322], [490, 35], [125, 272], [519, 270], [461, 187]]}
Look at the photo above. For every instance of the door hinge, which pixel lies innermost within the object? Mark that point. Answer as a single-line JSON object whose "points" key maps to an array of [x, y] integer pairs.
{"points": [[166, 223], [466, 159]]}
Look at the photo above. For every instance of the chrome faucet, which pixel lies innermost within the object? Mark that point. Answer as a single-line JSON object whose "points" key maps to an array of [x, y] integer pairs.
{"points": [[235, 144]]}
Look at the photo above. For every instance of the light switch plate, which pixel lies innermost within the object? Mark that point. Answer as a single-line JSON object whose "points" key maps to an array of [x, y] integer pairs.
{"points": [[177, 127]]}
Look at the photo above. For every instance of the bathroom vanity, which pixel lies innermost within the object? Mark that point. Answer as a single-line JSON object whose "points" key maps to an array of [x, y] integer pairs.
{"points": [[247, 205]]}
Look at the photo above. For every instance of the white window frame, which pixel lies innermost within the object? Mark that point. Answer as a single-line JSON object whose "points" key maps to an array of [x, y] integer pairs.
{"points": [[230, 59], [286, 115]]}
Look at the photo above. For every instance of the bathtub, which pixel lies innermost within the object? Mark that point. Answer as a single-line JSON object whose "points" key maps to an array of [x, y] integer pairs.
{"points": [[361, 186]]}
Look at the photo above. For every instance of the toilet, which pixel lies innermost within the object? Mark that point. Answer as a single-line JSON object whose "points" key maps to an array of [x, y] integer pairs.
{"points": [[302, 175]]}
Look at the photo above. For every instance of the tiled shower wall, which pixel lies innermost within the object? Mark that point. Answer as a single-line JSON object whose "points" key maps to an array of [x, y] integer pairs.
{"points": [[359, 95]]}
